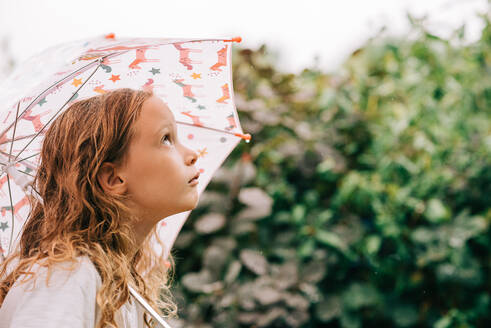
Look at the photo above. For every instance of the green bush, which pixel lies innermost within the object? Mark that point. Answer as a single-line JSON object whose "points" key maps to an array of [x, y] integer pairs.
{"points": [[363, 199]]}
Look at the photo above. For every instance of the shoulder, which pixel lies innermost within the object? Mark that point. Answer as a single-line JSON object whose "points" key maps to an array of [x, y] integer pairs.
{"points": [[63, 295], [80, 272]]}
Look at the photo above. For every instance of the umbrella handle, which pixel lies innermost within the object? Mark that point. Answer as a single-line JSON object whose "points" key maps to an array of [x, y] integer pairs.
{"points": [[161, 323]]}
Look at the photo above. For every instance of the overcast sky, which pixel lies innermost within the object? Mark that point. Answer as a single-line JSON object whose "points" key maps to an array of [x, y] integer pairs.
{"points": [[296, 30]]}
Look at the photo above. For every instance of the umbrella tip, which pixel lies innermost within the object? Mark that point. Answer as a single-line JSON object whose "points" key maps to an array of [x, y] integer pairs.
{"points": [[246, 137], [111, 36], [237, 39]]}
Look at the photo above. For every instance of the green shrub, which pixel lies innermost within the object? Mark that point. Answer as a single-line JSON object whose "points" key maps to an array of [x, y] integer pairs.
{"points": [[363, 199]]}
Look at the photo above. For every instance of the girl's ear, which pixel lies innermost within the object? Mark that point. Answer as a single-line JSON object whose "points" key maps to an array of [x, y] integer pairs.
{"points": [[109, 179]]}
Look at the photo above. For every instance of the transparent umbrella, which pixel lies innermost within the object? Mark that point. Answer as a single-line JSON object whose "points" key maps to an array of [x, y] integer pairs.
{"points": [[192, 76]]}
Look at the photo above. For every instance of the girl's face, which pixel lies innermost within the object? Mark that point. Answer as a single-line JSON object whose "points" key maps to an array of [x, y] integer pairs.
{"points": [[158, 168]]}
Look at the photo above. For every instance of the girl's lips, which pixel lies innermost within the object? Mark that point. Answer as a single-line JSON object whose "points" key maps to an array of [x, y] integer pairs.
{"points": [[194, 180]]}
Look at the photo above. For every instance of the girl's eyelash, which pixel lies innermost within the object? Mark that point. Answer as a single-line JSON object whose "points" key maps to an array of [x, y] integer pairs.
{"points": [[167, 136]]}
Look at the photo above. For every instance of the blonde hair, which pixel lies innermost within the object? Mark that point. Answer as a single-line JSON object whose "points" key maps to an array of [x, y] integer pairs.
{"points": [[78, 218]]}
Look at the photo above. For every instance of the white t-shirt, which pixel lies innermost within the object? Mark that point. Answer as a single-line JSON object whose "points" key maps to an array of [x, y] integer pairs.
{"points": [[69, 300]]}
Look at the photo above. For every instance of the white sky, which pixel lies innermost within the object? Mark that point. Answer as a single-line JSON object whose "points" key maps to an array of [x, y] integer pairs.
{"points": [[295, 30]]}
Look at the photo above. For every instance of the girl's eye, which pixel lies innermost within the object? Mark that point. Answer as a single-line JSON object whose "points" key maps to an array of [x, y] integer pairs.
{"points": [[166, 138]]}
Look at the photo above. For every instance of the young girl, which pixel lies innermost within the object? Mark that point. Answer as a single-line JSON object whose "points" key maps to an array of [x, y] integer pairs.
{"points": [[111, 168]]}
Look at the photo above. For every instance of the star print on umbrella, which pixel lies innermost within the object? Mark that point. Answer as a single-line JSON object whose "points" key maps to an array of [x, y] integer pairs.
{"points": [[4, 226], [114, 78], [42, 102], [155, 71], [77, 82]]}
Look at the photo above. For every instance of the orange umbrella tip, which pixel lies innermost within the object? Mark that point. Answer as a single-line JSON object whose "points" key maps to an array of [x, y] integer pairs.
{"points": [[110, 36], [246, 137], [237, 39]]}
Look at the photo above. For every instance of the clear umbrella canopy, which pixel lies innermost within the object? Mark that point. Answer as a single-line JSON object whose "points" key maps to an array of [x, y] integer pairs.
{"points": [[193, 77]]}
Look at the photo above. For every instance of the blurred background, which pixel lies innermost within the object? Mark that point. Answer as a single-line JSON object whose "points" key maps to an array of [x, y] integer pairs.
{"points": [[363, 199]]}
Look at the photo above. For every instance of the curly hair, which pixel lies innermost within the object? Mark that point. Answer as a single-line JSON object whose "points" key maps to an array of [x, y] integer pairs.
{"points": [[77, 218]]}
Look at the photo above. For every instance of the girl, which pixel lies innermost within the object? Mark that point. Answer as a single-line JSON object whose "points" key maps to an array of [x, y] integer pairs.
{"points": [[111, 168]]}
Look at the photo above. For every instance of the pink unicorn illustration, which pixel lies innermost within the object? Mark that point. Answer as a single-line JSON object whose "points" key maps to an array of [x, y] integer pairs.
{"points": [[35, 119], [226, 94], [140, 58], [222, 59], [186, 89], [184, 56]]}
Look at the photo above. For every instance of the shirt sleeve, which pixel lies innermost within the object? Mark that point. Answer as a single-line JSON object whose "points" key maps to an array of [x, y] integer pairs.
{"points": [[67, 300]]}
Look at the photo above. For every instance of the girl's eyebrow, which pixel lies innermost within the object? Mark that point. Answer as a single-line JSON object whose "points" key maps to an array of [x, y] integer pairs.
{"points": [[163, 126]]}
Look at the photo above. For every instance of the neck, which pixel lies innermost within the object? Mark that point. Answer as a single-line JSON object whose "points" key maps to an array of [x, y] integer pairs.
{"points": [[142, 228]]}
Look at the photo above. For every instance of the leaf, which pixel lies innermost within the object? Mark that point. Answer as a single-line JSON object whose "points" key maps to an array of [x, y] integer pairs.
{"points": [[266, 295], [255, 197], [330, 239], [246, 171], [210, 223], [253, 213], [184, 239], [270, 316], [329, 308], [436, 212], [195, 281], [242, 227], [372, 244], [298, 213], [350, 320], [360, 295], [259, 204], [245, 296], [211, 198], [405, 315], [422, 235], [214, 259], [228, 244], [254, 261], [296, 301], [297, 318], [249, 318], [307, 248], [285, 275], [233, 272], [314, 272]]}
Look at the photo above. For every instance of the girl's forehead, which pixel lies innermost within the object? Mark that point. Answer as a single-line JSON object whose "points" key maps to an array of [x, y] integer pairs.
{"points": [[155, 109], [154, 115]]}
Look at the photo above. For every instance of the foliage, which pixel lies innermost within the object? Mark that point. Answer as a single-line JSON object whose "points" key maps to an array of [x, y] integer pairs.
{"points": [[363, 199]]}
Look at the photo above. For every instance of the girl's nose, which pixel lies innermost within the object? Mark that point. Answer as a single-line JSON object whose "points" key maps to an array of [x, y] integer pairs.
{"points": [[191, 156]]}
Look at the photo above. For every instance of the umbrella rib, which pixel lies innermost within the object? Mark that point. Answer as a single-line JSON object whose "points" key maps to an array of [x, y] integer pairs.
{"points": [[61, 108], [21, 160], [27, 164], [15, 128], [26, 173], [12, 212], [51, 86], [240, 135], [18, 138], [37, 192]]}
